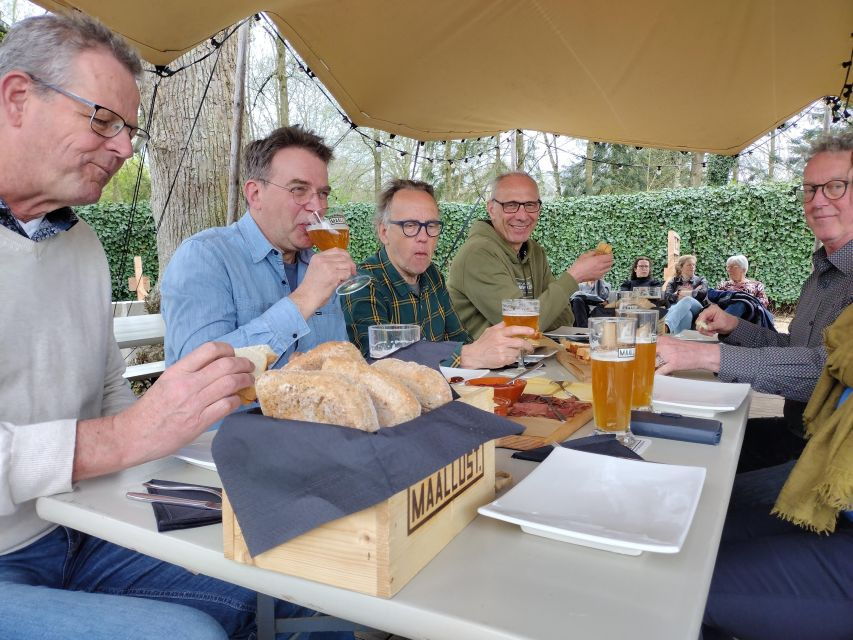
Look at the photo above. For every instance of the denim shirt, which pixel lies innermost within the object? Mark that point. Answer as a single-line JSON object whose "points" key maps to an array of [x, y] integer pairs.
{"points": [[228, 284]]}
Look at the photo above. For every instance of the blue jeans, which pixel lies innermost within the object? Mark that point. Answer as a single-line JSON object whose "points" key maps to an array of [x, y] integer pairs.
{"points": [[680, 315], [72, 585]]}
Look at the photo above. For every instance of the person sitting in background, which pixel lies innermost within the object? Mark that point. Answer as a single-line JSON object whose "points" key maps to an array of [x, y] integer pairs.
{"points": [[589, 296], [736, 267], [775, 575], [407, 288], [685, 294], [640, 275]]}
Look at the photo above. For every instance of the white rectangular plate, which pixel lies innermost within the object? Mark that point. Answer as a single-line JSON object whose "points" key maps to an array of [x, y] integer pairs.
{"points": [[697, 397], [568, 332], [468, 374], [198, 452], [615, 504]]}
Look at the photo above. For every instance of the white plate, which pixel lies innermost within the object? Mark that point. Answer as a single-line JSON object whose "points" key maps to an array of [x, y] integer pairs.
{"points": [[198, 452], [694, 336], [625, 506], [697, 397], [468, 374], [568, 332]]}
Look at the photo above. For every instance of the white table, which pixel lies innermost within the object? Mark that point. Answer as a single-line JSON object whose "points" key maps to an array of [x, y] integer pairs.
{"points": [[491, 581], [137, 331]]}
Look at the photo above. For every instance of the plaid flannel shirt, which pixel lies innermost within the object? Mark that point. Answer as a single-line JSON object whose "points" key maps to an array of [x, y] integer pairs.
{"points": [[388, 299]]}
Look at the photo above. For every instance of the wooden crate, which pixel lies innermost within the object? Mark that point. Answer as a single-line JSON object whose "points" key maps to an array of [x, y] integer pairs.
{"points": [[378, 550]]}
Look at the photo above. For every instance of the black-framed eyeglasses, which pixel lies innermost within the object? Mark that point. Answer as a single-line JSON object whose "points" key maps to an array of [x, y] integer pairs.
{"points": [[302, 194], [103, 121], [412, 228], [832, 190], [511, 206]]}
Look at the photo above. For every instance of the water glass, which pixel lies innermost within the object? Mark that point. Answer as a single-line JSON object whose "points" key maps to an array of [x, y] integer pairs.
{"points": [[385, 339]]}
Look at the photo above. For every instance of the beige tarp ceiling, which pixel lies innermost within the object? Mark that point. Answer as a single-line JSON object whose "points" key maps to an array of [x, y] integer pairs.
{"points": [[710, 75]]}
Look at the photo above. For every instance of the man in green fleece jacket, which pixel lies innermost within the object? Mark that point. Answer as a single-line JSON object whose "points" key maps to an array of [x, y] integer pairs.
{"points": [[499, 260]]}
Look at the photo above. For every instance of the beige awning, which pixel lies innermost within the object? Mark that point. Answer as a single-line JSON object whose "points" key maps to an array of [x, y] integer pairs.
{"points": [[679, 74]]}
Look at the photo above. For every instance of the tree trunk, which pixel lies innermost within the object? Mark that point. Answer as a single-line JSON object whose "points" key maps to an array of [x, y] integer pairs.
{"points": [[235, 201], [518, 157], [377, 165], [696, 169], [555, 161], [771, 161], [587, 169], [281, 76], [735, 169], [190, 195]]}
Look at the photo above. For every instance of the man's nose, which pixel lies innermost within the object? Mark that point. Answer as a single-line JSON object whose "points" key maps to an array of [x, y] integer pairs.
{"points": [[121, 144]]}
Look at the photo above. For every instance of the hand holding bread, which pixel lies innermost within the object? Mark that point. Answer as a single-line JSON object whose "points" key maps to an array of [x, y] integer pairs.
{"points": [[592, 265]]}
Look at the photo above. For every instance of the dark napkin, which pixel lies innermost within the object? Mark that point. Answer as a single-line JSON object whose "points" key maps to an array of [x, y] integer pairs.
{"points": [[425, 352], [673, 426], [171, 517], [605, 444], [286, 477]]}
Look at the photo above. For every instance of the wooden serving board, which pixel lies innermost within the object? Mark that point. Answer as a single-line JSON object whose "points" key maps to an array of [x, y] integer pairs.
{"points": [[580, 369], [541, 431]]}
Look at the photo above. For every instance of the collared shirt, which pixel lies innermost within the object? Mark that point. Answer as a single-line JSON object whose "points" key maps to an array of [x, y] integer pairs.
{"points": [[790, 364], [388, 299], [54, 222], [228, 284]]}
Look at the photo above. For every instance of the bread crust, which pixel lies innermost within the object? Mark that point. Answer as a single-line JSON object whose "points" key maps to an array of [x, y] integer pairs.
{"points": [[316, 396], [260, 355], [429, 386], [313, 360], [394, 402]]}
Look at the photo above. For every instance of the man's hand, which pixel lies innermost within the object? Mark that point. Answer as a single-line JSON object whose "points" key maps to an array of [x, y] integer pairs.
{"points": [[591, 266], [714, 320], [498, 346], [325, 272], [192, 394], [680, 355]]}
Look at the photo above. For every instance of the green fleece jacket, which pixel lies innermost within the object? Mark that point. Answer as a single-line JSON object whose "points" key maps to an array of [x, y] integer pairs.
{"points": [[487, 270]]}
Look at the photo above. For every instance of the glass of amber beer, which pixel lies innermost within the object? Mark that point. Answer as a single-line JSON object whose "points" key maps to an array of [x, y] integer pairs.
{"points": [[332, 232], [521, 312], [612, 349], [644, 357]]}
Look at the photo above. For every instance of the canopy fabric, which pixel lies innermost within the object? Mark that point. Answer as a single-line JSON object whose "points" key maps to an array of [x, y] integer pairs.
{"points": [[693, 76]]}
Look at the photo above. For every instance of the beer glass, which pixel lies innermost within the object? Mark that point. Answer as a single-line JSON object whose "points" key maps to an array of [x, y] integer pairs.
{"points": [[612, 349], [644, 356], [521, 312], [626, 300], [332, 232]]}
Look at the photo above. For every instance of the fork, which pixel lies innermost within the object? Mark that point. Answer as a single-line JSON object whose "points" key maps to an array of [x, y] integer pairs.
{"points": [[183, 487]]}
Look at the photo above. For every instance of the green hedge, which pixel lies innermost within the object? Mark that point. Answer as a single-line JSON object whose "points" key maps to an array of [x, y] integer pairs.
{"points": [[764, 222]]}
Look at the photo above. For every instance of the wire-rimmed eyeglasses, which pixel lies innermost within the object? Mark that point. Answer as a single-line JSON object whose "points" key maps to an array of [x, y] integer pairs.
{"points": [[302, 194], [832, 190], [511, 206], [412, 228], [103, 121]]}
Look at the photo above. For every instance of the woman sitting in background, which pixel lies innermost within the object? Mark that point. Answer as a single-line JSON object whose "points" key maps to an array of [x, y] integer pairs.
{"points": [[736, 267], [686, 294], [641, 275]]}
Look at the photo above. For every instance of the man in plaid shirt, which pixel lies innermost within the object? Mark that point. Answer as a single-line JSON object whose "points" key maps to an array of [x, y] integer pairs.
{"points": [[407, 288]]}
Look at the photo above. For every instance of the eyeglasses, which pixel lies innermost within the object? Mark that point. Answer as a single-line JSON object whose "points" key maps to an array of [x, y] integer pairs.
{"points": [[303, 194], [105, 122], [531, 206], [832, 190], [412, 228]]}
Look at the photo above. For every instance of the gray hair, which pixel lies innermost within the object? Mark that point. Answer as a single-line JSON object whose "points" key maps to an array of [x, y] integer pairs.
{"points": [[258, 154], [493, 185], [739, 260], [831, 143], [383, 202], [47, 46]]}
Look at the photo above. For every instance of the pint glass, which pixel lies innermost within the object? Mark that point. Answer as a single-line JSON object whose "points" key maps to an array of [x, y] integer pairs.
{"points": [[612, 349], [644, 357]]}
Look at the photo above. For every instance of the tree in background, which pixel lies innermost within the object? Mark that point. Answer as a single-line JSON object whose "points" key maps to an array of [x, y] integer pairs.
{"points": [[123, 184]]}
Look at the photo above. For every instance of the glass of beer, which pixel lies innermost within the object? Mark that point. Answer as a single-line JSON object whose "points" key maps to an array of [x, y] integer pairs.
{"points": [[612, 349], [332, 232], [522, 312], [626, 300], [644, 357]]}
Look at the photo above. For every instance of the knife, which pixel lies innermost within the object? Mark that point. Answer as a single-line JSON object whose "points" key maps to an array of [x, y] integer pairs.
{"points": [[183, 502]]}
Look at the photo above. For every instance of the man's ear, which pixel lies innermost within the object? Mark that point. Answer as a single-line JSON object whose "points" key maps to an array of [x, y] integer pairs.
{"points": [[252, 191], [16, 90], [382, 233]]}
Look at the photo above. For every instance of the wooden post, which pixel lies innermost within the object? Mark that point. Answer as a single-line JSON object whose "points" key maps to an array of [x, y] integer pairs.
{"points": [[137, 282], [673, 252]]}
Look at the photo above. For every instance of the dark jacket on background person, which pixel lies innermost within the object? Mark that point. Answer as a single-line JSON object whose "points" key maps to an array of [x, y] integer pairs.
{"points": [[487, 270], [633, 283], [697, 283]]}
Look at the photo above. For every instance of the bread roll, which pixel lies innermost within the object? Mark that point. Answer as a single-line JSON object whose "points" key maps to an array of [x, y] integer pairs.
{"points": [[316, 396], [428, 385], [603, 248], [262, 357], [313, 360], [394, 402]]}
